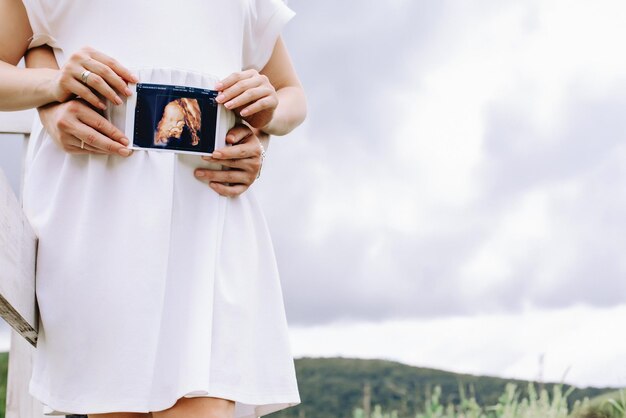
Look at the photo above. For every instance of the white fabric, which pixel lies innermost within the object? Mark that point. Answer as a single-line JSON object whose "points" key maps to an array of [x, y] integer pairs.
{"points": [[150, 285]]}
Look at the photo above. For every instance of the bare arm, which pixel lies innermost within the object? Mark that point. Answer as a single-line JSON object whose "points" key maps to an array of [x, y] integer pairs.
{"points": [[271, 100], [41, 57], [23, 88], [20, 88], [291, 109]]}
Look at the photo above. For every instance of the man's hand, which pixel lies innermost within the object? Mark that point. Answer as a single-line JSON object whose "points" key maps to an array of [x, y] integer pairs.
{"points": [[242, 161]]}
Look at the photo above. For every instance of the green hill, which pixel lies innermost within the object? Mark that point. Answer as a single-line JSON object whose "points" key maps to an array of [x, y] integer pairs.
{"points": [[333, 387]]}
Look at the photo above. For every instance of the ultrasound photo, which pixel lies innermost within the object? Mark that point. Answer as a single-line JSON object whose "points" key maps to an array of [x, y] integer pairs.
{"points": [[175, 118]]}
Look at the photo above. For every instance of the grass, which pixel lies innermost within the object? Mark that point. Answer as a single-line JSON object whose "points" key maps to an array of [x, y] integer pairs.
{"points": [[537, 404], [611, 405]]}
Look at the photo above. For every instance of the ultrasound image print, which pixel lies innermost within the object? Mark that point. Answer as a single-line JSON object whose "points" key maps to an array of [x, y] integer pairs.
{"points": [[177, 115], [175, 118]]}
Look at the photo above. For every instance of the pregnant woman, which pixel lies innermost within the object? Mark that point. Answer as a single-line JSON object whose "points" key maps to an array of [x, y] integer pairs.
{"points": [[157, 285]]}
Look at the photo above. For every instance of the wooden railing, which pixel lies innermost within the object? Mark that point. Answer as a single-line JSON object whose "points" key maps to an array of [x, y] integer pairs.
{"points": [[19, 404], [16, 122]]}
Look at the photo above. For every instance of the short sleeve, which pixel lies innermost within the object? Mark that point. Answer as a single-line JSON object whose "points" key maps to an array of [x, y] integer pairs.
{"points": [[38, 23], [264, 24]]}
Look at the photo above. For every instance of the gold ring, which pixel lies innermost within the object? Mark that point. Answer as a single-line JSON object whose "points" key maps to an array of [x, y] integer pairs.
{"points": [[85, 76], [82, 144]]}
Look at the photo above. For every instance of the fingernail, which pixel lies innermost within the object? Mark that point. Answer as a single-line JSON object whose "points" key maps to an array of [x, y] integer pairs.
{"points": [[229, 105], [124, 140], [219, 98], [219, 86], [134, 78], [216, 154], [118, 100], [245, 112], [128, 92], [199, 173], [124, 152], [102, 106]]}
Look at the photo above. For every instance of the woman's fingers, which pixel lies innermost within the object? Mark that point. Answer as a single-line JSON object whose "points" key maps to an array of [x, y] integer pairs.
{"points": [[85, 93], [239, 163], [237, 89], [243, 158], [112, 79], [106, 76], [229, 183], [234, 78], [244, 154], [250, 93], [76, 148], [77, 143], [228, 190], [94, 138], [73, 145], [250, 96], [102, 125], [97, 83], [264, 103], [237, 134], [244, 87], [222, 176], [83, 130], [78, 128], [115, 66], [250, 149]]}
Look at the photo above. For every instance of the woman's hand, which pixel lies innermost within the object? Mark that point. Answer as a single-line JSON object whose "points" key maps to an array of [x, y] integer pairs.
{"points": [[242, 161], [79, 129], [249, 94], [89, 72]]}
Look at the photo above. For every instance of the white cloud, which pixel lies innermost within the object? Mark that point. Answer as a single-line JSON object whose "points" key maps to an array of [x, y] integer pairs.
{"points": [[586, 343], [452, 173], [518, 235]]}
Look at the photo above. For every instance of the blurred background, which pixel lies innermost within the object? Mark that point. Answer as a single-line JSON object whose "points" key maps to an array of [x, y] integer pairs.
{"points": [[456, 197]]}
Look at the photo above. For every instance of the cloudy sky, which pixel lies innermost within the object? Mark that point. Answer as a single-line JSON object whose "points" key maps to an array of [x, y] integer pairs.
{"points": [[456, 197]]}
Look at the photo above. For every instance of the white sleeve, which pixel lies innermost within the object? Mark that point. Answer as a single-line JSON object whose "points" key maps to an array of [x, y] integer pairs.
{"points": [[264, 24], [38, 23]]}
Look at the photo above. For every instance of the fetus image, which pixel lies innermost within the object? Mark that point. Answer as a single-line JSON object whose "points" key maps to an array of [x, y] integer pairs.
{"points": [[174, 118], [178, 114]]}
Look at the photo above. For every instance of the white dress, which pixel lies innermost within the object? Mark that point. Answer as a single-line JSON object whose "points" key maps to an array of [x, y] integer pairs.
{"points": [[150, 285]]}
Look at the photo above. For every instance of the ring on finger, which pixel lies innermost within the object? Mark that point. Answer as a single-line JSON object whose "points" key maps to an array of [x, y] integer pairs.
{"points": [[84, 76], [82, 144]]}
